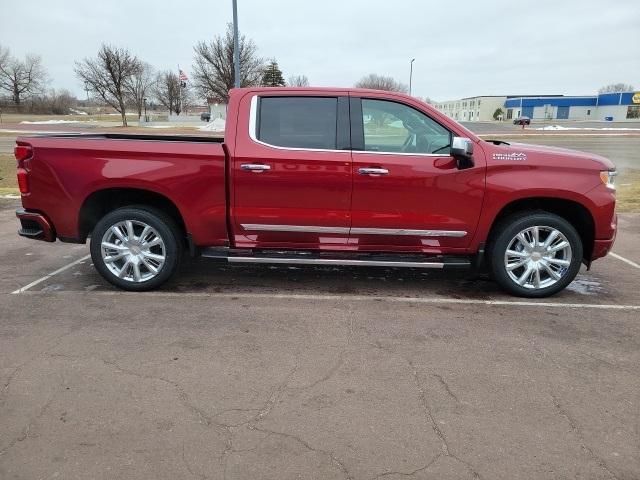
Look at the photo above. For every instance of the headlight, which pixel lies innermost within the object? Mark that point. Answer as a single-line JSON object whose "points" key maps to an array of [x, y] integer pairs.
{"points": [[608, 177]]}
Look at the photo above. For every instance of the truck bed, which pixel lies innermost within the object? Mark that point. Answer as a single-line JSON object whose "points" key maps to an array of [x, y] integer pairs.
{"points": [[76, 172]]}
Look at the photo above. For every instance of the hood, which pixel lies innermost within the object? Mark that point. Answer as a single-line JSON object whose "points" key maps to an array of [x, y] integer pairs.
{"points": [[544, 155]]}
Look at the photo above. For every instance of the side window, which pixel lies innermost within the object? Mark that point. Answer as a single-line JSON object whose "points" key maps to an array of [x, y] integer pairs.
{"points": [[394, 127], [298, 122]]}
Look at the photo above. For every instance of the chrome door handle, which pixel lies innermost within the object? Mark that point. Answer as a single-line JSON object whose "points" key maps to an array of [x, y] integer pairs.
{"points": [[255, 167], [373, 171]]}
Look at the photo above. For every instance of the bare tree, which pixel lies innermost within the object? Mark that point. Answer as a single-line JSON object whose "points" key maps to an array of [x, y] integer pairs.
{"points": [[107, 76], [138, 86], [381, 82], [298, 81], [213, 73], [4, 56], [56, 102], [21, 77], [166, 90], [616, 88]]}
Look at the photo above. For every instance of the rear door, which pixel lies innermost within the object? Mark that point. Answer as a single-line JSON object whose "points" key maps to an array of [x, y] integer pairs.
{"points": [[292, 172], [408, 194]]}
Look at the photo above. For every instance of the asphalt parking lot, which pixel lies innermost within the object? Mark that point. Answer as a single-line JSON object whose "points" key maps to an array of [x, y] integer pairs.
{"points": [[285, 372]]}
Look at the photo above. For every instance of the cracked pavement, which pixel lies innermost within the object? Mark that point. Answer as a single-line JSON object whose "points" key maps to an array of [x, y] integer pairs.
{"points": [[100, 384]]}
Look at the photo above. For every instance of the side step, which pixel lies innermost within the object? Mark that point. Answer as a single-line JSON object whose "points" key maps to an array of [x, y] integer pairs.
{"points": [[290, 257]]}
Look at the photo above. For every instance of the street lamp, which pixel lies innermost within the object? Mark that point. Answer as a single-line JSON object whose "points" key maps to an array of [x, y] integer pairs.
{"points": [[411, 73], [236, 46], [144, 100]]}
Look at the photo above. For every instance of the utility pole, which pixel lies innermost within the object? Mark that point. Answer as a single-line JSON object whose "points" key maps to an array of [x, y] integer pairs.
{"points": [[236, 46], [410, 73]]}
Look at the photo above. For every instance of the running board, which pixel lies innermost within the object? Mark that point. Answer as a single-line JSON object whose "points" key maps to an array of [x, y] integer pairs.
{"points": [[335, 258]]}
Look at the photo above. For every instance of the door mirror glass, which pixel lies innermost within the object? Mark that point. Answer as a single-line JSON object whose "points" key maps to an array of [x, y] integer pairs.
{"points": [[462, 151]]}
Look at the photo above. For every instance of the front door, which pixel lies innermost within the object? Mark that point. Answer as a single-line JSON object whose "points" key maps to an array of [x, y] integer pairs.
{"points": [[408, 194], [291, 175]]}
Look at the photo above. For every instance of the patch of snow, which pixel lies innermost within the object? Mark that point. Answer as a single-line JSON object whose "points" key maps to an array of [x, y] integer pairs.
{"points": [[560, 127], [216, 126], [28, 132], [157, 126], [77, 112], [49, 122]]}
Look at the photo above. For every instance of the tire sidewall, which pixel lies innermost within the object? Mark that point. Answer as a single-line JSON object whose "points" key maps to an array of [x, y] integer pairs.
{"points": [[510, 229], [165, 228]]}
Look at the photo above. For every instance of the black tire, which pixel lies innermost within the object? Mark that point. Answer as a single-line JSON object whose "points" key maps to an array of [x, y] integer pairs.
{"points": [[505, 232], [165, 227]]}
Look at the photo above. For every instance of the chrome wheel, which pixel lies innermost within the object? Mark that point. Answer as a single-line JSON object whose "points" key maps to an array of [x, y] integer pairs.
{"points": [[133, 251], [537, 257]]}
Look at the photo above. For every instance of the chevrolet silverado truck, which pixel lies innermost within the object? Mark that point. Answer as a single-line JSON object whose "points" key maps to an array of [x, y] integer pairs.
{"points": [[322, 177]]}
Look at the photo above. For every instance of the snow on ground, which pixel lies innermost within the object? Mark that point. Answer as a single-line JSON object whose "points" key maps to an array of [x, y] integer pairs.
{"points": [[50, 122], [216, 126], [157, 126], [560, 127], [77, 112]]}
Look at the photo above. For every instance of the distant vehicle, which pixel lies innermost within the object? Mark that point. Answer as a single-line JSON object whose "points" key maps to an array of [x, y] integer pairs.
{"points": [[205, 116], [301, 177], [522, 121]]}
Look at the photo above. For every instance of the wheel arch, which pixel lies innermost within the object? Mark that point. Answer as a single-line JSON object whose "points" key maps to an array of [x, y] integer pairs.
{"points": [[574, 212], [100, 202]]}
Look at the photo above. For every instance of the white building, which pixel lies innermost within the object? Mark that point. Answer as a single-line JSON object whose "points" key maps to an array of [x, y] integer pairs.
{"points": [[617, 107], [472, 109]]}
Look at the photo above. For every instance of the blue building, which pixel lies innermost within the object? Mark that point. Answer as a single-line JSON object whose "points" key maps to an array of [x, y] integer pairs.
{"points": [[607, 106]]}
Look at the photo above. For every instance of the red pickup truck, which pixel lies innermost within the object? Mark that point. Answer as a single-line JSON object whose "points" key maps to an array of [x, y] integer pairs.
{"points": [[323, 177]]}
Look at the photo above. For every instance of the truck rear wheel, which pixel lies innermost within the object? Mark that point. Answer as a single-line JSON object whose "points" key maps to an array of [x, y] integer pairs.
{"points": [[136, 248], [535, 254]]}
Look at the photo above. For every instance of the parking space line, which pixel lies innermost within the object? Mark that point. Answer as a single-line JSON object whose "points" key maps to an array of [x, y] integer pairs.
{"points": [[625, 260], [46, 277], [356, 298]]}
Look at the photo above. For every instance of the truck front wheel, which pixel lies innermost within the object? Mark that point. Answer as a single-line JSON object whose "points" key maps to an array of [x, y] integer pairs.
{"points": [[136, 248], [535, 254]]}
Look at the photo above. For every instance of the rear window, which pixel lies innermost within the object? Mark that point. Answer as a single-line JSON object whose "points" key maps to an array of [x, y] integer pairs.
{"points": [[298, 122]]}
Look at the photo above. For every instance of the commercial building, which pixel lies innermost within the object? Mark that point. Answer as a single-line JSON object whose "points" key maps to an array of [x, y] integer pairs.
{"points": [[472, 109], [617, 107]]}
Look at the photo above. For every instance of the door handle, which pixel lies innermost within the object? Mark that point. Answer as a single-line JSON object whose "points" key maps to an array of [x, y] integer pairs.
{"points": [[373, 171], [255, 167]]}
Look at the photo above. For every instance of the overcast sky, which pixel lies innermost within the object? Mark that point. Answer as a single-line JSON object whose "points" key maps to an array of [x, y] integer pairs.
{"points": [[462, 48]]}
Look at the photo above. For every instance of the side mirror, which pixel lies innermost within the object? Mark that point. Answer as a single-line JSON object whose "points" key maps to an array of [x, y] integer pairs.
{"points": [[462, 151]]}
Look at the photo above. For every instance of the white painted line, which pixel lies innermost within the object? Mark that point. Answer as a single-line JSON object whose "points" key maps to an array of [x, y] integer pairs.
{"points": [[46, 277], [354, 298], [625, 260]]}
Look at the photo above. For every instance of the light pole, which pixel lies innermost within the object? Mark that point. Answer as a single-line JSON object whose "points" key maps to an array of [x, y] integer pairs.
{"points": [[411, 73], [236, 46], [144, 100]]}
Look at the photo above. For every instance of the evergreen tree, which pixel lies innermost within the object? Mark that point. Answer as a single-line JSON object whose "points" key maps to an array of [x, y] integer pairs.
{"points": [[272, 76]]}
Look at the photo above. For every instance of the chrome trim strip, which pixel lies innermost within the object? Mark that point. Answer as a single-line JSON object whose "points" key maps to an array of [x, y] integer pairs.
{"points": [[335, 261], [357, 231], [405, 231], [253, 121], [372, 152], [295, 228]]}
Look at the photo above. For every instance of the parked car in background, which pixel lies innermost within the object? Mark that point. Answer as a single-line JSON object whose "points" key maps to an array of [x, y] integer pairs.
{"points": [[205, 116], [321, 177], [522, 120]]}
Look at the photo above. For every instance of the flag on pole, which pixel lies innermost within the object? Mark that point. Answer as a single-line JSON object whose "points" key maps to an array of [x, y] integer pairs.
{"points": [[183, 76]]}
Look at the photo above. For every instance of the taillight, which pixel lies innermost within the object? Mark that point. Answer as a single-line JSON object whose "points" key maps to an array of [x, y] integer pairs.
{"points": [[23, 180], [22, 154]]}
